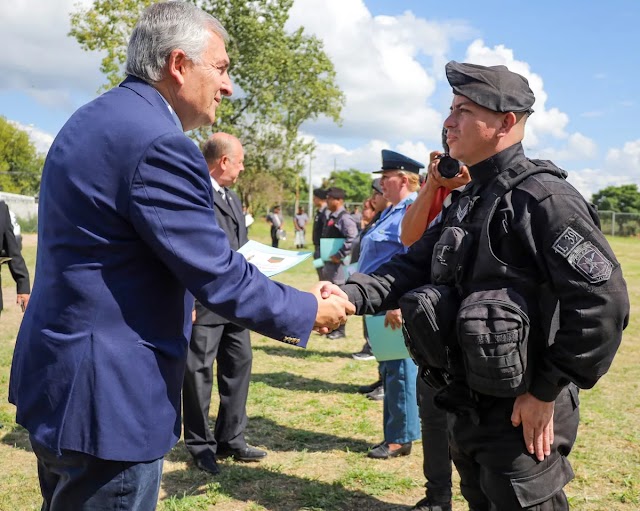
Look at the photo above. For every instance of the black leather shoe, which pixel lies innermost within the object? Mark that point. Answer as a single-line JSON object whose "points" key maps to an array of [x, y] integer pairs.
{"points": [[247, 453], [426, 505], [376, 394], [383, 451], [336, 334], [365, 389], [207, 462]]}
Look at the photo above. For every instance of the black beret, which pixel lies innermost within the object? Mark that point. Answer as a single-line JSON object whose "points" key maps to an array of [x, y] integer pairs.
{"points": [[320, 193], [396, 161], [336, 193], [493, 87], [375, 184]]}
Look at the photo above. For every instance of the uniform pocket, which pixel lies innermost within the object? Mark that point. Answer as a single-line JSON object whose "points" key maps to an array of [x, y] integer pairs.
{"points": [[493, 332], [533, 489], [429, 314]]}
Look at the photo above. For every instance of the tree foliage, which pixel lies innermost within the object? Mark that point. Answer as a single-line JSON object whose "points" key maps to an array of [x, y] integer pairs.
{"points": [[20, 163], [356, 184], [621, 199], [280, 80]]}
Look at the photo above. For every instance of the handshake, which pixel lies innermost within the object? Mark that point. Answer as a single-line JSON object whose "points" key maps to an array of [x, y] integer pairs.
{"points": [[333, 307]]}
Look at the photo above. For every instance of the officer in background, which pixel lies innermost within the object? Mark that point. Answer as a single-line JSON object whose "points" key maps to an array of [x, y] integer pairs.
{"points": [[528, 287], [11, 254], [320, 218], [340, 224]]}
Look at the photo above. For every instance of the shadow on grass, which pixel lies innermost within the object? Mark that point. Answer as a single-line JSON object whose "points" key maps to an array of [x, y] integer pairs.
{"points": [[268, 488], [290, 381], [16, 437], [292, 352]]}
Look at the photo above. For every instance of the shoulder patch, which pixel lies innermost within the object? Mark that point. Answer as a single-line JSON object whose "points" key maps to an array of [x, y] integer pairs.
{"points": [[590, 263], [567, 241]]}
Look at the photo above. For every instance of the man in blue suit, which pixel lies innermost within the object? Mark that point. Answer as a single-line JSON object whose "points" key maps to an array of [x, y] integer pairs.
{"points": [[127, 236]]}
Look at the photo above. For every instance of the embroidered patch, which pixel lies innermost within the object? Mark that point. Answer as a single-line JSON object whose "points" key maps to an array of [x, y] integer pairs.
{"points": [[463, 209], [591, 263], [567, 241]]}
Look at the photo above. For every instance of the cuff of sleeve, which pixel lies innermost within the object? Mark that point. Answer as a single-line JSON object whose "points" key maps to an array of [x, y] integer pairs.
{"points": [[353, 296], [544, 390]]}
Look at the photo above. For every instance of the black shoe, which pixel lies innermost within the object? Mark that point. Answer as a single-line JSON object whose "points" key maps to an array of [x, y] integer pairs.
{"points": [[376, 394], [363, 355], [426, 505], [383, 451], [365, 389], [336, 334], [247, 453], [207, 462]]}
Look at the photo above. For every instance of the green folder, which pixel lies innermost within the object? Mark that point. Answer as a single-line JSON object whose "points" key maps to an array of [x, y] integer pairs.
{"points": [[386, 344], [329, 246]]}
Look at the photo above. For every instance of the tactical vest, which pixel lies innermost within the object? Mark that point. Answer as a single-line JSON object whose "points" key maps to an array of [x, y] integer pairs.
{"points": [[330, 229], [478, 321]]}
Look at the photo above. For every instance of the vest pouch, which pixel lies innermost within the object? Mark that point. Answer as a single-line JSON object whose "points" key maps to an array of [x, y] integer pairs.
{"points": [[449, 254], [429, 314], [493, 332]]}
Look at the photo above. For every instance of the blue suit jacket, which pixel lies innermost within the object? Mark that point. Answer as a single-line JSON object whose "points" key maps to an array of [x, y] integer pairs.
{"points": [[126, 230]]}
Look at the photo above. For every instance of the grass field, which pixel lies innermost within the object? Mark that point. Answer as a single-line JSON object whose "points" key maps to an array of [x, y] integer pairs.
{"points": [[305, 411]]}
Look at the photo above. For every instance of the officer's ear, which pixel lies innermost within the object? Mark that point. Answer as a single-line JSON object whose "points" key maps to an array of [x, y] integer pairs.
{"points": [[509, 120]]}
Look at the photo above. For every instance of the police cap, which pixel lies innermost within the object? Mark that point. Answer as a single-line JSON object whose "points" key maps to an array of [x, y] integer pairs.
{"points": [[493, 87], [396, 161], [335, 193], [375, 184], [320, 193]]}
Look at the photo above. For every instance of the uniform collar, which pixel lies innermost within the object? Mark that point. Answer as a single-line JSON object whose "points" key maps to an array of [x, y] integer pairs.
{"points": [[486, 170]]}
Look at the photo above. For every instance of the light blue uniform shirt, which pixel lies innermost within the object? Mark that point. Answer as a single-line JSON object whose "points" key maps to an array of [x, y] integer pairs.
{"points": [[382, 241]]}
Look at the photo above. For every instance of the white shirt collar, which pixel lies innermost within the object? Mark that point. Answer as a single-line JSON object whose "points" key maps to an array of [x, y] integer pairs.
{"points": [[176, 119], [215, 185]]}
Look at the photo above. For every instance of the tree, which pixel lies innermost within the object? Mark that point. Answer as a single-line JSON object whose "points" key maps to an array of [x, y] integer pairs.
{"points": [[280, 81], [356, 184], [621, 199], [20, 163]]}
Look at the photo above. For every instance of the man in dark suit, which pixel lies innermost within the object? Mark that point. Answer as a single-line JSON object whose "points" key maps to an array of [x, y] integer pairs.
{"points": [[9, 247], [127, 236], [215, 338]]}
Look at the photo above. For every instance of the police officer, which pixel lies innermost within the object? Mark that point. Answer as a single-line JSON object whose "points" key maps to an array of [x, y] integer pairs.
{"points": [[536, 294], [320, 218], [340, 224]]}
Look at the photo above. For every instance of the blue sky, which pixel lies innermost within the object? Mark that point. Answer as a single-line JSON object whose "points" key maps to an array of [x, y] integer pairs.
{"points": [[580, 58]]}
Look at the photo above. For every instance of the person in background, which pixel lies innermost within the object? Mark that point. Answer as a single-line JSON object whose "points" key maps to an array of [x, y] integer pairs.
{"points": [[357, 216], [401, 426], [213, 338], [127, 236], [274, 219], [339, 224], [248, 217], [300, 220], [319, 220], [10, 248]]}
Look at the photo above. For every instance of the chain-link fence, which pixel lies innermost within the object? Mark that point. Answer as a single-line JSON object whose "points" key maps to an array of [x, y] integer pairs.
{"points": [[620, 224]]}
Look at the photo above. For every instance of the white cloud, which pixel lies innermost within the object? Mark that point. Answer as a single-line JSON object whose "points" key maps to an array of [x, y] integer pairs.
{"points": [[45, 62], [41, 140], [378, 61], [589, 181], [577, 147]]}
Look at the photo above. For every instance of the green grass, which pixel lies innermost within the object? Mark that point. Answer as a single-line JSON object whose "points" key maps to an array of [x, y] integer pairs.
{"points": [[305, 411]]}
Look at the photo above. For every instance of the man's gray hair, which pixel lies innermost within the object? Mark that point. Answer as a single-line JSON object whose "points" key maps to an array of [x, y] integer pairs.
{"points": [[164, 27]]}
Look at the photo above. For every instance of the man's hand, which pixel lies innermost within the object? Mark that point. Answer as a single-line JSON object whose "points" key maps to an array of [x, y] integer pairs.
{"points": [[335, 259], [393, 319], [22, 301], [536, 418], [333, 307]]}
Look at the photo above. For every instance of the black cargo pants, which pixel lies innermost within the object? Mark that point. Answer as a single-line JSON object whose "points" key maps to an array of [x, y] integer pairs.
{"points": [[496, 471]]}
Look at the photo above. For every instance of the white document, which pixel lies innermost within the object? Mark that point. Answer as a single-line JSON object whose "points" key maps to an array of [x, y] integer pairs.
{"points": [[269, 260]]}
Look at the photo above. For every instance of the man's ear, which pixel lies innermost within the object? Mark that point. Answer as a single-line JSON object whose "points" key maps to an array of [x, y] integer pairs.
{"points": [[509, 121], [177, 65]]}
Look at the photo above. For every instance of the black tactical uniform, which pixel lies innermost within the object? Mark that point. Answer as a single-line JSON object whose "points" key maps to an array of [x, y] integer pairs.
{"points": [[545, 307], [319, 220]]}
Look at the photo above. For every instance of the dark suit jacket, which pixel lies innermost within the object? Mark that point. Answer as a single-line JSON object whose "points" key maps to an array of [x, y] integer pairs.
{"points": [[9, 248], [126, 237], [231, 220]]}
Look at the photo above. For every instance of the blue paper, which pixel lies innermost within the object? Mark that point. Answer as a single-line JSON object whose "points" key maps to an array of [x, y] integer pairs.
{"points": [[329, 246], [318, 263], [386, 344]]}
